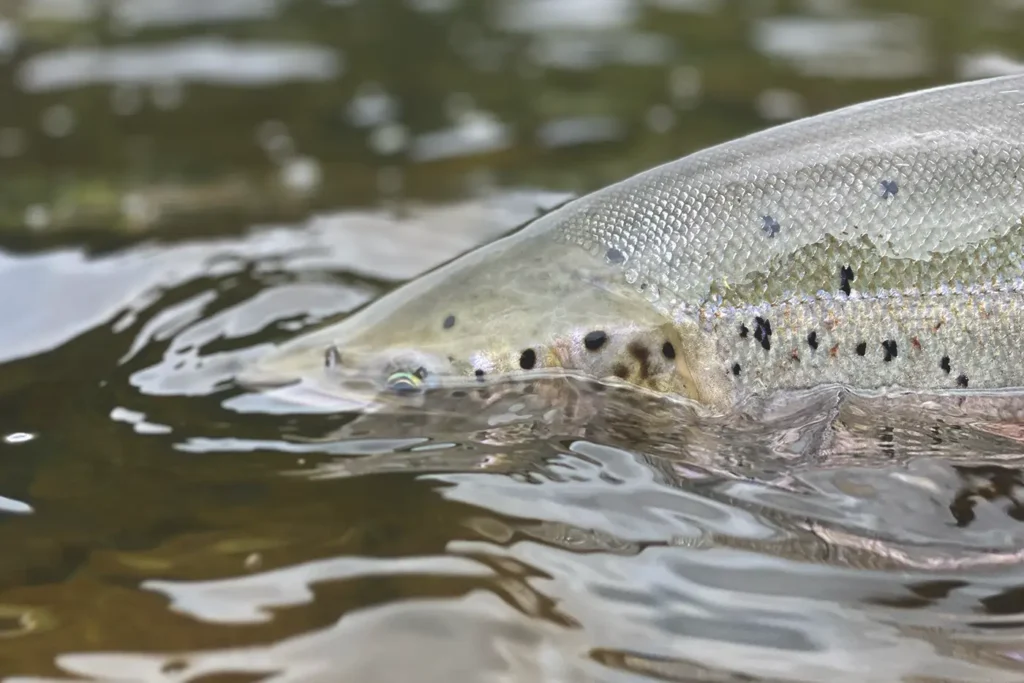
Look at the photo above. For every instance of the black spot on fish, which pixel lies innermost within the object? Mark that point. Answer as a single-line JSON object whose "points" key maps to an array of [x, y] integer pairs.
{"points": [[620, 371], [770, 226], [846, 276], [595, 340], [420, 372], [643, 357], [763, 332], [890, 350], [528, 359], [449, 322], [961, 381], [812, 340], [944, 364], [736, 369], [862, 348], [668, 350], [743, 331], [615, 256], [332, 357], [886, 438], [479, 374], [889, 189]]}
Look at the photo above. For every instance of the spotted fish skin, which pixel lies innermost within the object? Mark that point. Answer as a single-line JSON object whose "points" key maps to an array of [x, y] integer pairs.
{"points": [[920, 197], [879, 245]]}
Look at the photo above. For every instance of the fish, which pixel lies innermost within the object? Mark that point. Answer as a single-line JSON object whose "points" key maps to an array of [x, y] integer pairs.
{"points": [[877, 247]]}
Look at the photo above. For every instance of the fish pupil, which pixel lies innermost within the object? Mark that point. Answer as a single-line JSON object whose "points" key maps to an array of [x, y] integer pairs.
{"points": [[406, 382]]}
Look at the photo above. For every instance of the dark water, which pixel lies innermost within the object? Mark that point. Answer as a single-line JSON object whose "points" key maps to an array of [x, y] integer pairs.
{"points": [[184, 181]]}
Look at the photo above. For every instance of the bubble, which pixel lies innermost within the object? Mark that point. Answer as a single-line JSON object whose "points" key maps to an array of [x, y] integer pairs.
{"points": [[684, 85], [125, 99], [777, 104], [9, 38], [37, 217], [371, 106], [167, 95], [137, 209], [253, 561], [458, 104], [302, 174], [276, 141], [390, 180], [58, 121], [481, 182], [12, 142], [388, 139], [660, 118]]}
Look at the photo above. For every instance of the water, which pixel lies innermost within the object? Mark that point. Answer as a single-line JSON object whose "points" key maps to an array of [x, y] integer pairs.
{"points": [[185, 182]]}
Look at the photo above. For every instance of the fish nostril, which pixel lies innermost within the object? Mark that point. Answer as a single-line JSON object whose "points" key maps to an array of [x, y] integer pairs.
{"points": [[332, 357]]}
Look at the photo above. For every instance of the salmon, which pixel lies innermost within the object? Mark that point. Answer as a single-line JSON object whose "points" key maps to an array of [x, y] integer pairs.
{"points": [[879, 246]]}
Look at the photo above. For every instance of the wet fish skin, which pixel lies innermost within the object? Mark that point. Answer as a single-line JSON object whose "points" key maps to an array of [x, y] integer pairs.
{"points": [[880, 245]]}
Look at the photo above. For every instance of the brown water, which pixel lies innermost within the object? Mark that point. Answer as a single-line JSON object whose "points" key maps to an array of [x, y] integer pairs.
{"points": [[184, 181]]}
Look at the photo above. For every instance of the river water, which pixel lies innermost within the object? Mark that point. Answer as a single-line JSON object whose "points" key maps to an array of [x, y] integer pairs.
{"points": [[187, 182]]}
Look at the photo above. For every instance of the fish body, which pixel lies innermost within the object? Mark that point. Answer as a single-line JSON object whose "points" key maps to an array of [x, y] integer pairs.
{"points": [[876, 246]]}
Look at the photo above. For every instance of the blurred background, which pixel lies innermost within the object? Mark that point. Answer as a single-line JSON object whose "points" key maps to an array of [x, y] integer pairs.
{"points": [[207, 116]]}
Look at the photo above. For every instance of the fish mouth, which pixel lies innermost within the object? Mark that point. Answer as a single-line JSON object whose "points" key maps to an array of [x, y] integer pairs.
{"points": [[303, 398], [300, 381], [297, 378], [304, 394]]}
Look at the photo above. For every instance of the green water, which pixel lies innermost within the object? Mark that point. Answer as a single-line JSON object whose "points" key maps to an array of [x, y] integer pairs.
{"points": [[184, 182]]}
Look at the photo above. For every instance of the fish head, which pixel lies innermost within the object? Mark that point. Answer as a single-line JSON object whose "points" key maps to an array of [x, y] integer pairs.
{"points": [[513, 309]]}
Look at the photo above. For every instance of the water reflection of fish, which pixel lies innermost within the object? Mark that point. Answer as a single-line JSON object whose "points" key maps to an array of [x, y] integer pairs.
{"points": [[880, 245]]}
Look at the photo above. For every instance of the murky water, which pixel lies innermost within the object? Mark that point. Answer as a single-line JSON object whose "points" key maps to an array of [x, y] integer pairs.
{"points": [[185, 182]]}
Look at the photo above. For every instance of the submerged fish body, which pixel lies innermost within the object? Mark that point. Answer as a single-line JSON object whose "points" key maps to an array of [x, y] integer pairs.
{"points": [[876, 246]]}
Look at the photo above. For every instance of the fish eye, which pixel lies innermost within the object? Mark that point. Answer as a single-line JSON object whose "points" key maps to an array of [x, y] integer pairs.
{"points": [[404, 382]]}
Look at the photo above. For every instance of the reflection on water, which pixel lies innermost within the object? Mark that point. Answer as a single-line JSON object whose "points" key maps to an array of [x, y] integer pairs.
{"points": [[185, 182], [310, 103], [187, 61]]}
